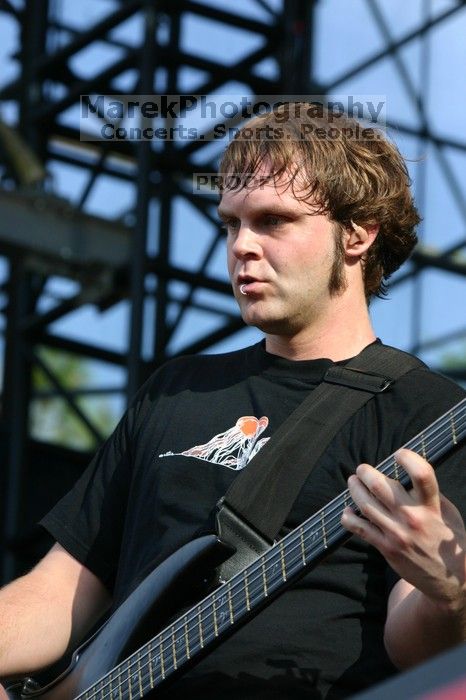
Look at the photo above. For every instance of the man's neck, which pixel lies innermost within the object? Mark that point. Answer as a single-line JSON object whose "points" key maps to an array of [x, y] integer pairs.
{"points": [[339, 336], [295, 349]]}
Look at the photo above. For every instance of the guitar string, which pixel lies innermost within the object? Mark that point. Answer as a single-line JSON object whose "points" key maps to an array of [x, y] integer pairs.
{"points": [[341, 498], [253, 594], [208, 630], [253, 590]]}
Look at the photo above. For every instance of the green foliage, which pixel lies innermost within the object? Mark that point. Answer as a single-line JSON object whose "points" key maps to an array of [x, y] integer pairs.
{"points": [[52, 418], [455, 360]]}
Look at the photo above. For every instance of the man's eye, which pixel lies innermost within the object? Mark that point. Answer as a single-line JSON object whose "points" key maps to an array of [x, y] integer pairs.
{"points": [[229, 224], [273, 220]]}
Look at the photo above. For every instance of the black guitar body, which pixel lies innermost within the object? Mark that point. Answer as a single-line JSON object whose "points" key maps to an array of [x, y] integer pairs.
{"points": [[142, 614]]}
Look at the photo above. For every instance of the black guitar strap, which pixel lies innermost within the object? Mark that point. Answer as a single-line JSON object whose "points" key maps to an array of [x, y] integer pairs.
{"points": [[255, 507]]}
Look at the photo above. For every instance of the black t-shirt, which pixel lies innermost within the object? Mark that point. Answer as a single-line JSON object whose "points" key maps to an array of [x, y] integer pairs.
{"points": [[155, 482]]}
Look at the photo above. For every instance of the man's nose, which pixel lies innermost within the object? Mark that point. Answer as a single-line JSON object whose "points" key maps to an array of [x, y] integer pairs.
{"points": [[246, 243]]}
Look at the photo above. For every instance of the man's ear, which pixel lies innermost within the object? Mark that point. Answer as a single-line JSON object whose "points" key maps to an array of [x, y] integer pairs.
{"points": [[358, 239]]}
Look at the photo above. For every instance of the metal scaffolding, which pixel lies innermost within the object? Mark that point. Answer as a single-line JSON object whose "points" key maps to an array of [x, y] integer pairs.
{"points": [[129, 258]]}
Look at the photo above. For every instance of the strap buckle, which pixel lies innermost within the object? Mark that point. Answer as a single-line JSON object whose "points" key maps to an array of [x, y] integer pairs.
{"points": [[357, 379]]}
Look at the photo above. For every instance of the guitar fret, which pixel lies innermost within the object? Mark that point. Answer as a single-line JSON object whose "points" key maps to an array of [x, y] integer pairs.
{"points": [[264, 577], [246, 590], [227, 617], [303, 548], [162, 660], [175, 662], [157, 663], [180, 643], [230, 603], [423, 446], [201, 636], [215, 617], [150, 664], [117, 692], [114, 686], [192, 634], [128, 682], [186, 638], [282, 561], [120, 687], [130, 687], [141, 692], [453, 428], [324, 533], [346, 500], [125, 678], [397, 470]]}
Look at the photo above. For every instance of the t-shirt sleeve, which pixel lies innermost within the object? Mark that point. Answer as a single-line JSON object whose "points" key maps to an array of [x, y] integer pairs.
{"points": [[88, 521]]}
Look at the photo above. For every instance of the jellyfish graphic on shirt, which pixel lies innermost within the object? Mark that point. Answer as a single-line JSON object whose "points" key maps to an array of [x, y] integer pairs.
{"points": [[233, 448]]}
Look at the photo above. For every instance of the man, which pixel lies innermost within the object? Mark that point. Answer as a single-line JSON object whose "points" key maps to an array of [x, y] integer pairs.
{"points": [[320, 219]]}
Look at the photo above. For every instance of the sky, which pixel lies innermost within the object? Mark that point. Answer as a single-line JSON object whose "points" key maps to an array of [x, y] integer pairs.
{"points": [[346, 34]]}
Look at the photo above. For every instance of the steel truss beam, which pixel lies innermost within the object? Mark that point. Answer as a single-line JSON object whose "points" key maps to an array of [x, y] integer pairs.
{"points": [[42, 235], [108, 259]]}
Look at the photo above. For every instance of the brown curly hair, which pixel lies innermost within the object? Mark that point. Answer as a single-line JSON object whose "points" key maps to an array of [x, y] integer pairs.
{"points": [[351, 171]]}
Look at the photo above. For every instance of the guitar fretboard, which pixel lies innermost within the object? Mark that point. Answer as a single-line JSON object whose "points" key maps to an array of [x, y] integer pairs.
{"points": [[220, 611]]}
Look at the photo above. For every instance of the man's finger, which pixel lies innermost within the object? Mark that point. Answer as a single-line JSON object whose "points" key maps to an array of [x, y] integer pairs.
{"points": [[388, 492], [422, 475]]}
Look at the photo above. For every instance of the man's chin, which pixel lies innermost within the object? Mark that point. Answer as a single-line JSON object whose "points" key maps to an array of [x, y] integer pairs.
{"points": [[267, 324]]}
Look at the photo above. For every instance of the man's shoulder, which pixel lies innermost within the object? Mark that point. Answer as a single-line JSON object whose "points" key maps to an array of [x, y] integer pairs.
{"points": [[418, 398], [211, 360], [204, 370], [424, 376], [431, 382]]}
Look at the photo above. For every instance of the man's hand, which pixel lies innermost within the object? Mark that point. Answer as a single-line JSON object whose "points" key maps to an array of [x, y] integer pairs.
{"points": [[420, 533], [3, 695]]}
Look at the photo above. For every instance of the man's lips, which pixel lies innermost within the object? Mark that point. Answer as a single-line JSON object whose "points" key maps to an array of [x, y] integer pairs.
{"points": [[249, 285]]}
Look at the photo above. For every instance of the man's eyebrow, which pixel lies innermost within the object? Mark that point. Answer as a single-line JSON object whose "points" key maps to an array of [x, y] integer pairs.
{"points": [[273, 208]]}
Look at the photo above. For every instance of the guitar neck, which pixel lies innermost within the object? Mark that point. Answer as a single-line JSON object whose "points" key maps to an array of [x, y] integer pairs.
{"points": [[253, 587]]}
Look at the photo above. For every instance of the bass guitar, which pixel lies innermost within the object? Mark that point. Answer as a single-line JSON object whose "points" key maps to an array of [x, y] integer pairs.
{"points": [[124, 660]]}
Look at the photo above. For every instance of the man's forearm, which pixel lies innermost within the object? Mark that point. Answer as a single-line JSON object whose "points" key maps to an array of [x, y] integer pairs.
{"points": [[46, 612], [418, 628], [31, 634]]}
